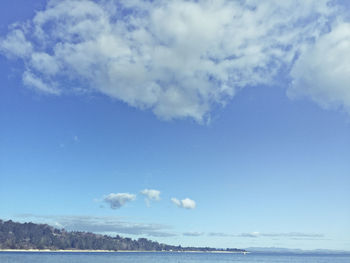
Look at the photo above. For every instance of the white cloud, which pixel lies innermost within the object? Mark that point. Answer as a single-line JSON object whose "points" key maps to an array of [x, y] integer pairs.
{"points": [[15, 44], [118, 200], [151, 195], [323, 70], [35, 82], [184, 203], [181, 58], [44, 63], [176, 201]]}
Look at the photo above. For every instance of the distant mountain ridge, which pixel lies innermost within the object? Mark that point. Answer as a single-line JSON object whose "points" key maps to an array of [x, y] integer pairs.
{"points": [[15, 235]]}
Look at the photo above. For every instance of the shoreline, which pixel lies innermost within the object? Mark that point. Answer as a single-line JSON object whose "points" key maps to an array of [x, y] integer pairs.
{"points": [[112, 251]]}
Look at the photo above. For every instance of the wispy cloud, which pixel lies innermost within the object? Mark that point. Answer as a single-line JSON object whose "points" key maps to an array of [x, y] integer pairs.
{"points": [[112, 225], [184, 203], [220, 234], [290, 235], [252, 234], [118, 200], [181, 58], [33, 81], [119, 225], [193, 234]]}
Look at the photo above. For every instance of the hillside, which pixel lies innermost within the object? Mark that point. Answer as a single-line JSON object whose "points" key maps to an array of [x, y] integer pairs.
{"points": [[41, 236]]}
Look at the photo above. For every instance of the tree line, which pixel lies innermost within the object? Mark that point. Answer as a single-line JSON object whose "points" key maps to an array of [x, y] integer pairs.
{"points": [[15, 235]]}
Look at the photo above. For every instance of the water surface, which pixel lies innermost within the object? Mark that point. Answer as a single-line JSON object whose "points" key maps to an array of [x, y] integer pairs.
{"points": [[148, 257]]}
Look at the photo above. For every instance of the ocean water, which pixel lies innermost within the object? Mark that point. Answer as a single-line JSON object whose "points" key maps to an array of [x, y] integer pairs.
{"points": [[148, 257]]}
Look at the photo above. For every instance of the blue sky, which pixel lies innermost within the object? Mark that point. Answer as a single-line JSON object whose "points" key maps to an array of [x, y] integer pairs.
{"points": [[235, 113]]}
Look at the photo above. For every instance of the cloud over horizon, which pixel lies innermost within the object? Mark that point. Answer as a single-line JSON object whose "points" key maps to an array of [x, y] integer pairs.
{"points": [[100, 224], [290, 235], [193, 234], [113, 224], [180, 59]]}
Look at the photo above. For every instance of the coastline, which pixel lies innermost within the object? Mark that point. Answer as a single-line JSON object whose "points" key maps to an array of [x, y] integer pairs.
{"points": [[113, 251]]}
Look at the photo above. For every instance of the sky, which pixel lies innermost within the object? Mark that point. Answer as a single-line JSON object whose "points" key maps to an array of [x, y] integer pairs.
{"points": [[199, 123]]}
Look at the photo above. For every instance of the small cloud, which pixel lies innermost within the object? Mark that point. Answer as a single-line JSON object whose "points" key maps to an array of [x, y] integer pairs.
{"points": [[176, 201], [76, 138], [184, 203], [118, 200], [193, 234], [151, 195]]}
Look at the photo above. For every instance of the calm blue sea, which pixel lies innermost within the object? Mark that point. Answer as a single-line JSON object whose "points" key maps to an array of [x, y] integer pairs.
{"points": [[28, 257]]}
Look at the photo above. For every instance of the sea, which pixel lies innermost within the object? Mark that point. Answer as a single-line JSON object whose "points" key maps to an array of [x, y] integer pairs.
{"points": [[165, 257]]}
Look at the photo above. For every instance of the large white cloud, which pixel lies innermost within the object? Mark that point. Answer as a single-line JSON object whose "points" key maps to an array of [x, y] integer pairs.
{"points": [[176, 58]]}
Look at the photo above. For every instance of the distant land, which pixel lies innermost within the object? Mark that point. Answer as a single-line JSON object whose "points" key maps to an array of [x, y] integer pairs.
{"points": [[294, 251], [30, 236]]}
